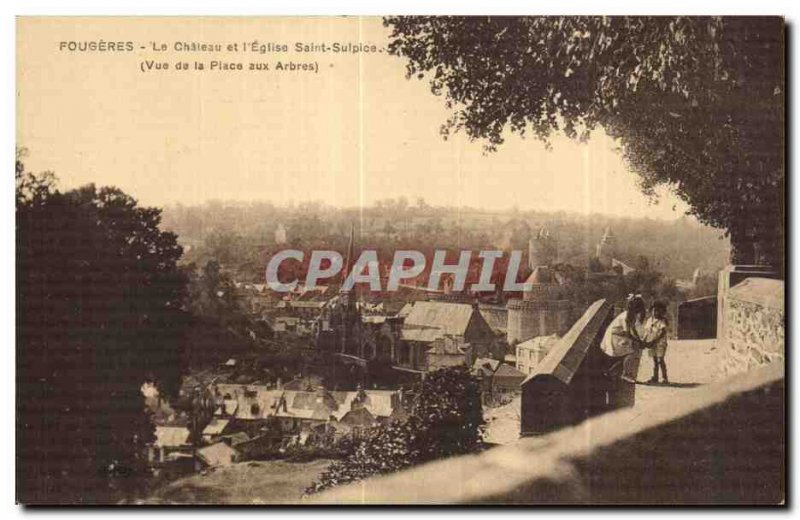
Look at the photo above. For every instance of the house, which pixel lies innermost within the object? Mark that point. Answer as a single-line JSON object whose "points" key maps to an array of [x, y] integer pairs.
{"points": [[507, 378], [354, 422], [219, 454], [497, 318], [170, 441], [531, 352], [484, 368], [215, 429], [235, 439], [496, 376], [437, 334], [619, 264], [296, 410]]}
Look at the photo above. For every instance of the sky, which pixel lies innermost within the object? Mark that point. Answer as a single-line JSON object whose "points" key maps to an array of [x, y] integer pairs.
{"points": [[355, 132]]}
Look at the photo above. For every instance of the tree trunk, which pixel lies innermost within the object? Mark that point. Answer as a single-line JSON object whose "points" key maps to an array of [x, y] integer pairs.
{"points": [[742, 247]]}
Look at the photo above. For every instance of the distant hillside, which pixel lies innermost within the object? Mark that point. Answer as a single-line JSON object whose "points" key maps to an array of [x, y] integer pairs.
{"points": [[242, 236]]}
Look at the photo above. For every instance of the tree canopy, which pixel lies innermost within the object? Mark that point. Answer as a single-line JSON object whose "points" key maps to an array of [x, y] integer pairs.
{"points": [[697, 103], [98, 313]]}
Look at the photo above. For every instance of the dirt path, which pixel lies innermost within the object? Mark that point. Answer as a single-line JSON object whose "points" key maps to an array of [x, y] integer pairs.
{"points": [[690, 363]]}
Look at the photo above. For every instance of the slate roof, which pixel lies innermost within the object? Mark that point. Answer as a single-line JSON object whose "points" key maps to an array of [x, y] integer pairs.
{"points": [[216, 426], [405, 310], [237, 438], [506, 371], [428, 320], [301, 404], [171, 436], [496, 317], [219, 454], [486, 366], [626, 269]]}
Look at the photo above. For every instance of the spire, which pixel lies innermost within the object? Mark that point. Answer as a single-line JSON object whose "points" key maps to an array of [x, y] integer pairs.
{"points": [[349, 257]]}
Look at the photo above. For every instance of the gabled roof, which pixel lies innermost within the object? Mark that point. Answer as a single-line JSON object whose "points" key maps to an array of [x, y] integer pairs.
{"points": [[216, 426], [487, 365], [626, 269], [358, 417], [507, 371], [219, 454], [171, 436], [496, 317], [406, 310], [253, 402], [426, 318], [539, 343], [237, 438], [421, 334], [541, 275]]}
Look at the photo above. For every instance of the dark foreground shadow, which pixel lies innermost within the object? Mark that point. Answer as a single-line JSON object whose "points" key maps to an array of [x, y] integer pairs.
{"points": [[670, 385]]}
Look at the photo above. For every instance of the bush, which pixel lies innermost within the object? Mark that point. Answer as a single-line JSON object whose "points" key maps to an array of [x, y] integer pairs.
{"points": [[444, 419]]}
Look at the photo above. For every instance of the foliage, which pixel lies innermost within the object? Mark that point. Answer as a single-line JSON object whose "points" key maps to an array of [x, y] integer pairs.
{"points": [[98, 313], [445, 419], [696, 102]]}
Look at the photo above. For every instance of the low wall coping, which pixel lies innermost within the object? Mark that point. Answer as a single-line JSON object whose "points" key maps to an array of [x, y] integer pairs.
{"points": [[499, 472], [761, 291], [564, 358]]}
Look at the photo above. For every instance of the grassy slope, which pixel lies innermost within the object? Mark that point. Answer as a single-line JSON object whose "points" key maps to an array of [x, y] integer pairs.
{"points": [[257, 482]]}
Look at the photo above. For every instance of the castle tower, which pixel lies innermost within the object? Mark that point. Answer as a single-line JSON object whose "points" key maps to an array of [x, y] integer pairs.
{"points": [[607, 248], [542, 249], [540, 312], [532, 318]]}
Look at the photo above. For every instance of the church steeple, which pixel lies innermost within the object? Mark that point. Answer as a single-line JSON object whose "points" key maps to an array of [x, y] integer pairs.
{"points": [[349, 300]]}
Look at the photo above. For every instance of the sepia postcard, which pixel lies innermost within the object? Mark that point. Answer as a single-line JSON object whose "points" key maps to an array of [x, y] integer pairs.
{"points": [[407, 260]]}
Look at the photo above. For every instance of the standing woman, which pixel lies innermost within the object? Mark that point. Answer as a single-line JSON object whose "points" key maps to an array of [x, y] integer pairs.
{"points": [[623, 345]]}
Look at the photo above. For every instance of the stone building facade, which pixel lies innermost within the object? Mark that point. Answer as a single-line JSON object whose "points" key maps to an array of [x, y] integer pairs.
{"points": [[439, 334], [531, 318]]}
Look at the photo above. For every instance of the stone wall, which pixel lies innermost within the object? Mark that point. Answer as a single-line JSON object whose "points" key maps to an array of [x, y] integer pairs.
{"points": [[530, 319], [754, 325], [729, 277]]}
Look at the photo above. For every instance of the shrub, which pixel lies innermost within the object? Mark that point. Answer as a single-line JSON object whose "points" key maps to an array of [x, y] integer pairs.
{"points": [[444, 419]]}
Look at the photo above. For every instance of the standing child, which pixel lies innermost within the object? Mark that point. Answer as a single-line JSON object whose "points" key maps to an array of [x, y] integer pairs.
{"points": [[656, 339]]}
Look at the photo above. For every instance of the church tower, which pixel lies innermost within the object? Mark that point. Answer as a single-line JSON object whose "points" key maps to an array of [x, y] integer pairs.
{"points": [[607, 248], [542, 249]]}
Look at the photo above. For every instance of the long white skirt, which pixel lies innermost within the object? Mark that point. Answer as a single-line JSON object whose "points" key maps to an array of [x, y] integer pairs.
{"points": [[630, 366]]}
